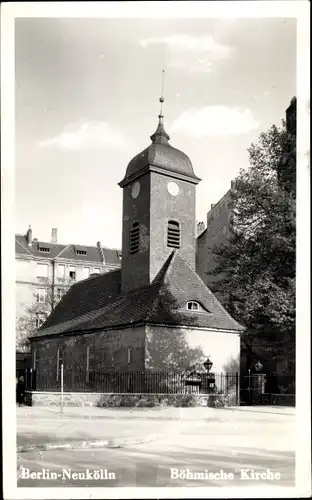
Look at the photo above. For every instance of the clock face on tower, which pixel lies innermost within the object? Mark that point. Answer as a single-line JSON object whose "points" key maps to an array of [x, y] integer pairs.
{"points": [[173, 188], [135, 190]]}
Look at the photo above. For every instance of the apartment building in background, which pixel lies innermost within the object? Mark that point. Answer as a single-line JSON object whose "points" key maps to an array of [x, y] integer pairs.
{"points": [[45, 271], [218, 229], [219, 217]]}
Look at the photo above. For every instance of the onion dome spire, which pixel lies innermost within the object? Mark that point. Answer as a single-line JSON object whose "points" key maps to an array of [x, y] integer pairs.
{"points": [[161, 136]]}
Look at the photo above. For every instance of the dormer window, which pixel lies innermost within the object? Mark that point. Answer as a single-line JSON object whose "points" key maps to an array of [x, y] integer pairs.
{"points": [[134, 237], [44, 249], [192, 305], [173, 234], [81, 250]]}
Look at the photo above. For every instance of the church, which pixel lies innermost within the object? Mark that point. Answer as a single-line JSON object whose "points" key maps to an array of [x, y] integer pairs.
{"points": [[155, 313]]}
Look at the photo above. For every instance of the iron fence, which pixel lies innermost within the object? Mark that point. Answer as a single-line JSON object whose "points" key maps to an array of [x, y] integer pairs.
{"points": [[253, 389], [268, 389], [146, 382]]}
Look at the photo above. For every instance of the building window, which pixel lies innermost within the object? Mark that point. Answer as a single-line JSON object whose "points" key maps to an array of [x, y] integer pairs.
{"points": [[61, 271], [173, 234], [81, 252], [41, 295], [129, 356], [96, 270], [60, 362], [42, 270], [192, 305], [72, 272], [44, 249], [134, 237], [86, 272], [40, 319], [60, 292], [90, 363]]}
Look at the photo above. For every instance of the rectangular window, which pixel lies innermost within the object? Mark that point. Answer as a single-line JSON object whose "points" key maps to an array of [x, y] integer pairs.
{"points": [[60, 362], [41, 295], [60, 292], [72, 272], [44, 249], [40, 319], [96, 270], [86, 272], [42, 270], [90, 364], [129, 356], [81, 252], [61, 271]]}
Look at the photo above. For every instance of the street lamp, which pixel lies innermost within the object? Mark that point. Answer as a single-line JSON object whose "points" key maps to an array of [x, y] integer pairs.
{"points": [[208, 364], [258, 366]]}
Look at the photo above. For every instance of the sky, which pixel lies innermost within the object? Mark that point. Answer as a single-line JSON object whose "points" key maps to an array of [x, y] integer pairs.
{"points": [[87, 101]]}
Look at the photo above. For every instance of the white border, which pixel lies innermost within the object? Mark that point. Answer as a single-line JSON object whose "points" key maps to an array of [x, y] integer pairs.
{"points": [[235, 9]]}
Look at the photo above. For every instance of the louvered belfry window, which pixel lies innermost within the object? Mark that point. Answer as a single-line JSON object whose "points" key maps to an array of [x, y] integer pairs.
{"points": [[173, 234], [134, 237]]}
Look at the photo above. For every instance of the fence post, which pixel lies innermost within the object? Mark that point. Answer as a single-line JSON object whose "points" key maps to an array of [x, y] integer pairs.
{"points": [[62, 388], [237, 388], [249, 387]]}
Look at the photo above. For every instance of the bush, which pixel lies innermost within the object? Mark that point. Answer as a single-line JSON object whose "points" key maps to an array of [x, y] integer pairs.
{"points": [[218, 401]]}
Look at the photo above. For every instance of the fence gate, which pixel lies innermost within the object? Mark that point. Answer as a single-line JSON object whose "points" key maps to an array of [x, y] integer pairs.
{"points": [[268, 389]]}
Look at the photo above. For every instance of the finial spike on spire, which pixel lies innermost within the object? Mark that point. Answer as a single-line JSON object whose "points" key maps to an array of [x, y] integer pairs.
{"points": [[161, 136], [161, 99]]}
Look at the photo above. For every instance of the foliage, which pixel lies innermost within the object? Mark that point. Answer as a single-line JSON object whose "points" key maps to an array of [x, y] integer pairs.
{"points": [[257, 264], [37, 312], [168, 350], [232, 365], [218, 401]]}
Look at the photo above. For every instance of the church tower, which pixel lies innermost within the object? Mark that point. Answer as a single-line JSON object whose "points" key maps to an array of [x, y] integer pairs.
{"points": [[158, 210]]}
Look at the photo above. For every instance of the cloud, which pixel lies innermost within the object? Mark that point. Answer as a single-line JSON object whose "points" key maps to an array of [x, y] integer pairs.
{"points": [[215, 121], [193, 65], [194, 53], [204, 43], [86, 135]]}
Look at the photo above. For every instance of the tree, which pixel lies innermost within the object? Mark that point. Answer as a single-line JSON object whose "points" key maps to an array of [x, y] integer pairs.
{"points": [[168, 350], [46, 298], [257, 265]]}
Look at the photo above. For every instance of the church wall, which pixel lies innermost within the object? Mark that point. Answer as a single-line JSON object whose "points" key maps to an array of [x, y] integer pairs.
{"points": [[110, 353], [164, 207], [220, 347]]}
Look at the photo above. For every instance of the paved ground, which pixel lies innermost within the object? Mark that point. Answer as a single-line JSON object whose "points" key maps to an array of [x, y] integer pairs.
{"points": [[198, 441], [37, 425]]}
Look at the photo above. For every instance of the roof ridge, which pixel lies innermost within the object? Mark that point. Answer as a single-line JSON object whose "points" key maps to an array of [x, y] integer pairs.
{"points": [[96, 276], [210, 292], [173, 256], [63, 250], [164, 269], [159, 280], [19, 243]]}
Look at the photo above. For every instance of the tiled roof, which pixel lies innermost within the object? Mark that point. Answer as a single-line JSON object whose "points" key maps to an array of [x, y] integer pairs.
{"points": [[57, 250], [97, 303]]}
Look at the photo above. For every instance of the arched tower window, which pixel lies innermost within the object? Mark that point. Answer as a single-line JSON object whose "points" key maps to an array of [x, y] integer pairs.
{"points": [[134, 237], [173, 234]]}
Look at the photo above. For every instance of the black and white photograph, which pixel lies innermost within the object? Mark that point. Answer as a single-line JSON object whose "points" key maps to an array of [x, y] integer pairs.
{"points": [[155, 244]]}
